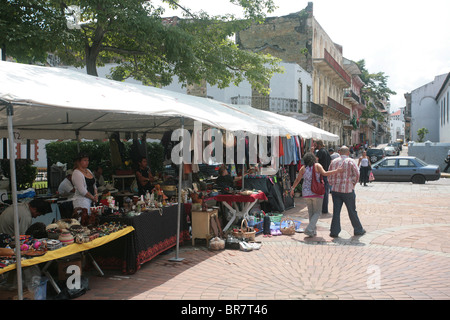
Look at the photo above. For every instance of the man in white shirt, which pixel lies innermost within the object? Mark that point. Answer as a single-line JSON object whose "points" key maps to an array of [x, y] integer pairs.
{"points": [[66, 187], [26, 212]]}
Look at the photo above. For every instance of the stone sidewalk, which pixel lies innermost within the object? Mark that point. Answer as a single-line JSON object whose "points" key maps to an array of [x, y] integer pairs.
{"points": [[405, 254]]}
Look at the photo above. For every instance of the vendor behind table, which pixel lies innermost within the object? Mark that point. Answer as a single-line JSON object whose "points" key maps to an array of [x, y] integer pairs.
{"points": [[84, 182], [144, 177], [66, 187]]}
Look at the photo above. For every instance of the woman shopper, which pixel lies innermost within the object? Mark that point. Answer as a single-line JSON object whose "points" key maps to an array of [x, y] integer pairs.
{"points": [[313, 201], [364, 168], [84, 182]]}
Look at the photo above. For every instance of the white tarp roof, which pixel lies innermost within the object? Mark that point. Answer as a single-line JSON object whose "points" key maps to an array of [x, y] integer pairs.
{"points": [[291, 125], [55, 103], [59, 103]]}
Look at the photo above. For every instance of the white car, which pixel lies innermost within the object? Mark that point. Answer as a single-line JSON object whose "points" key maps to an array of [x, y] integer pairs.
{"points": [[390, 151]]}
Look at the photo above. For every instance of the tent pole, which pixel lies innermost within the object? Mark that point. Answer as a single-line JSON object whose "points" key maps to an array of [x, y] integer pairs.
{"points": [[180, 178], [12, 164]]}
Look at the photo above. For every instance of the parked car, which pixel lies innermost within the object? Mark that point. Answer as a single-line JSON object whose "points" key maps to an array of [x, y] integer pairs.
{"points": [[375, 154], [405, 168], [391, 151], [396, 146]]}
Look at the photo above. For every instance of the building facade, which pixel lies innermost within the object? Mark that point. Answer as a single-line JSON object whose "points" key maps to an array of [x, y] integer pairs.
{"points": [[299, 38], [425, 109], [442, 99], [397, 124]]}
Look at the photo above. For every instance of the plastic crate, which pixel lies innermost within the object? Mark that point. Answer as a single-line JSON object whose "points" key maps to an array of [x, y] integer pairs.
{"points": [[275, 217], [260, 226]]}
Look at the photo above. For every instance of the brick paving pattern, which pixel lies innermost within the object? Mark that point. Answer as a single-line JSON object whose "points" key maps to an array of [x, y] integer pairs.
{"points": [[404, 255]]}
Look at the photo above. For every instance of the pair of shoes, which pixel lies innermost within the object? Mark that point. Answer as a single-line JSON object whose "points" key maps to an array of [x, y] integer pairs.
{"points": [[244, 246], [275, 232], [254, 245], [310, 235], [300, 230], [360, 233], [267, 235]]}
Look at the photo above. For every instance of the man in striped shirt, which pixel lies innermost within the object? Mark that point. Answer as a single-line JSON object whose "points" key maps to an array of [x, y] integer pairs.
{"points": [[343, 191]]}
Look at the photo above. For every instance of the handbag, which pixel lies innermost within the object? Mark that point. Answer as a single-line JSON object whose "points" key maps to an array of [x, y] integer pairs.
{"points": [[371, 177], [317, 187]]}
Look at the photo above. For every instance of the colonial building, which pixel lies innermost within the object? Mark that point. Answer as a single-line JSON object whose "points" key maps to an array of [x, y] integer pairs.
{"points": [[442, 99], [428, 108], [299, 38], [397, 124]]}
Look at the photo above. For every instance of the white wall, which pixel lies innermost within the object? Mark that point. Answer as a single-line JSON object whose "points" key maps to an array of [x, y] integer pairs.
{"points": [[444, 113], [425, 110]]}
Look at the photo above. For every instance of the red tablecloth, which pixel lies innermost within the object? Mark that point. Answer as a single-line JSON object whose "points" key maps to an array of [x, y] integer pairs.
{"points": [[240, 198]]}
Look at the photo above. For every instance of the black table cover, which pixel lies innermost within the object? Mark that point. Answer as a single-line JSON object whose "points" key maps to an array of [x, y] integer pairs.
{"points": [[155, 232]]}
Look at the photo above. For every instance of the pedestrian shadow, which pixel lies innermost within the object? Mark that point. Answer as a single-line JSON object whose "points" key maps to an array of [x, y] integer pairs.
{"points": [[319, 240]]}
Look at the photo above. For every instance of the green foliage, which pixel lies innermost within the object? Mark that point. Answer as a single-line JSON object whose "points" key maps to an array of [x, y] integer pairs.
{"points": [[28, 29], [25, 172], [375, 84], [99, 155], [155, 152], [66, 152], [422, 132], [133, 34]]}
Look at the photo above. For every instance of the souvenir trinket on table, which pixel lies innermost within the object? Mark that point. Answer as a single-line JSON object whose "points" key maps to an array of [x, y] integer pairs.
{"points": [[66, 237]]}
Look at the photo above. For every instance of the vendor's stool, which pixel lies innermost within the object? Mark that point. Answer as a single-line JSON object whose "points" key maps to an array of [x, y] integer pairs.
{"points": [[201, 225]]}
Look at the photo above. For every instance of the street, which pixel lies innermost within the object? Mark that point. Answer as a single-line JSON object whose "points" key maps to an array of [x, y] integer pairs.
{"points": [[405, 254]]}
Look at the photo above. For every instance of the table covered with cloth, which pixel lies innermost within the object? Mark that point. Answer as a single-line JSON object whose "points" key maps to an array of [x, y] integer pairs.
{"points": [[155, 231], [71, 249], [231, 202]]}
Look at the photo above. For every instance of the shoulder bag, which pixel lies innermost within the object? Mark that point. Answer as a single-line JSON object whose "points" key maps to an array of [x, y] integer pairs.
{"points": [[317, 187]]}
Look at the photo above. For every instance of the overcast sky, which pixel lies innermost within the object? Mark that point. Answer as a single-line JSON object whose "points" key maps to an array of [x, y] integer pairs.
{"points": [[408, 40]]}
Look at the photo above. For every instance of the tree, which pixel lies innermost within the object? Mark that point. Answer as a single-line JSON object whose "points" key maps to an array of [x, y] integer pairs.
{"points": [[374, 91], [151, 49], [422, 132], [28, 29], [375, 84]]}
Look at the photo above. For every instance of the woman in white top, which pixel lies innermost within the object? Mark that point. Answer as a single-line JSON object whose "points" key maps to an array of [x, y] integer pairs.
{"points": [[364, 168], [84, 182]]}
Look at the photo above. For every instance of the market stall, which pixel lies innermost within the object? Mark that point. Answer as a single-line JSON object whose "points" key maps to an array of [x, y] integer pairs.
{"points": [[154, 232], [82, 106], [49, 250]]}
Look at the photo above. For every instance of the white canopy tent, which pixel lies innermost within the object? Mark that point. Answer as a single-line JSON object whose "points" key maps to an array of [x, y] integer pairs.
{"points": [[47, 103], [291, 126]]}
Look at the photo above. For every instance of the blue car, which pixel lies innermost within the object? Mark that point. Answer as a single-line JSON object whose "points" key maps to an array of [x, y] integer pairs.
{"points": [[405, 168]]}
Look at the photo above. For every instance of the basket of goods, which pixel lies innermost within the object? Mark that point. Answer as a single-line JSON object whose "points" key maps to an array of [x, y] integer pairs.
{"points": [[66, 237], [216, 244], [245, 231], [53, 244], [287, 226]]}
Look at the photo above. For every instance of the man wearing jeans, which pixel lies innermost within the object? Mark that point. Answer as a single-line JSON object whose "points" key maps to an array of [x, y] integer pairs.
{"points": [[343, 191]]}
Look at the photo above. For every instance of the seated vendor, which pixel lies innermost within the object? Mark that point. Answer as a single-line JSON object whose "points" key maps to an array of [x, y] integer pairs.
{"points": [[144, 177], [99, 180], [66, 187], [26, 212], [225, 180]]}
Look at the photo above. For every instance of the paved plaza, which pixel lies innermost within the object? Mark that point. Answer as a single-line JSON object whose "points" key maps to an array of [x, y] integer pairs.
{"points": [[405, 254]]}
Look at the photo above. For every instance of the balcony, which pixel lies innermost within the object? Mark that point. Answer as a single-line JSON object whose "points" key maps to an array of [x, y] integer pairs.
{"points": [[279, 105], [268, 103], [331, 67], [338, 107], [315, 109], [347, 125], [351, 97]]}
